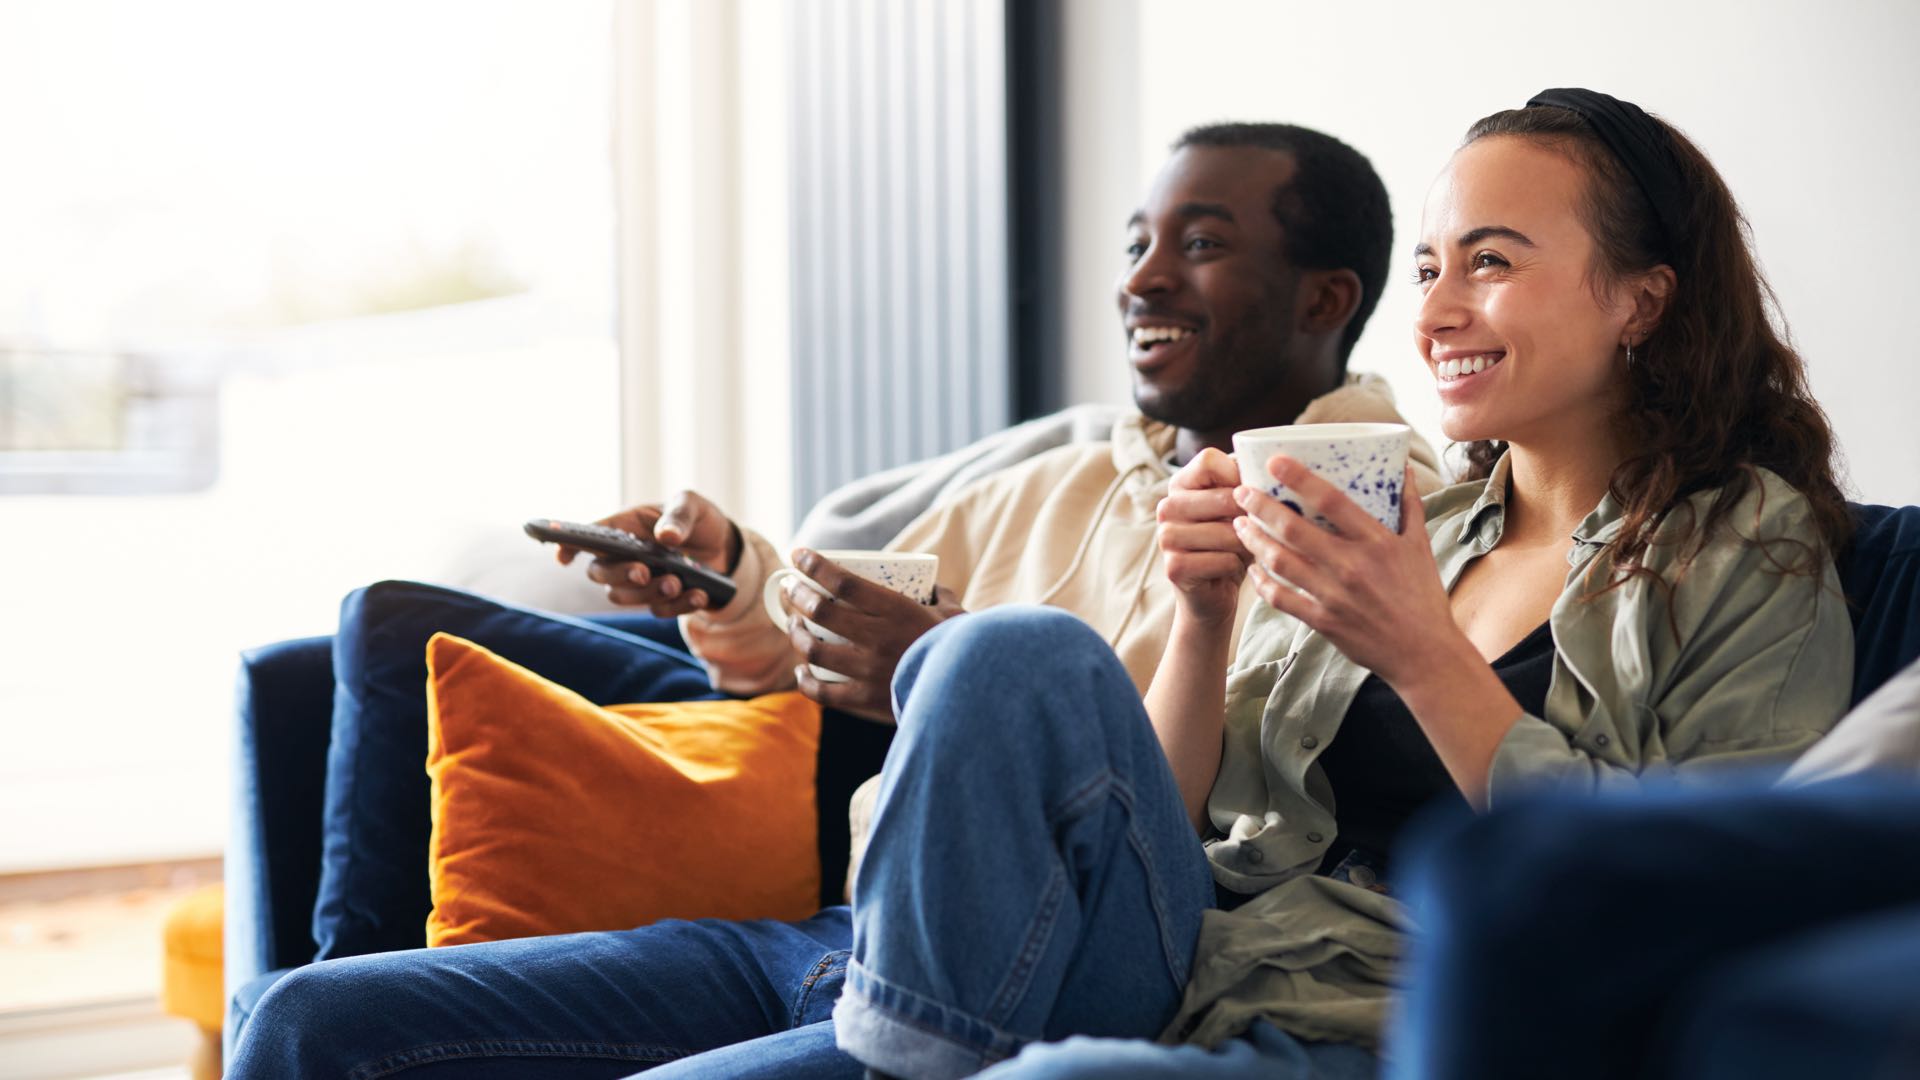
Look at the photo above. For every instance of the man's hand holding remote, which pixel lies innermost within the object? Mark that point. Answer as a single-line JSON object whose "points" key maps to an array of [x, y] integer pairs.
{"points": [[688, 523]]}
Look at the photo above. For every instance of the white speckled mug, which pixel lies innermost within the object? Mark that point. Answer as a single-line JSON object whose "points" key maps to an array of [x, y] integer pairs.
{"points": [[1367, 461], [909, 573]]}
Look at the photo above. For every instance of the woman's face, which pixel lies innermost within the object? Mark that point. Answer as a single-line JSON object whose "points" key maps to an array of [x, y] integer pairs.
{"points": [[1523, 345]]}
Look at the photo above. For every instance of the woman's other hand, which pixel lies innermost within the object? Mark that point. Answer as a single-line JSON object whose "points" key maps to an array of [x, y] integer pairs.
{"points": [[1199, 545]]}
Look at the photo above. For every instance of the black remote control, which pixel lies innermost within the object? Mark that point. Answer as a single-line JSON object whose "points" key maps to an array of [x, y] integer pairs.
{"points": [[624, 546]]}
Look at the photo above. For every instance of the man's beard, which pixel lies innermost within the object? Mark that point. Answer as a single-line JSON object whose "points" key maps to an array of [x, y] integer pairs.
{"points": [[1233, 376]]}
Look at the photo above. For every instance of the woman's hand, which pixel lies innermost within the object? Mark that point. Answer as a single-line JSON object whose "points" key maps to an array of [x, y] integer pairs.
{"points": [[1202, 552], [1377, 596], [1374, 593], [1207, 564]]}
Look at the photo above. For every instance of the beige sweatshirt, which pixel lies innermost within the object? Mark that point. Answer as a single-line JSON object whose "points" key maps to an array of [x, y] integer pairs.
{"points": [[1072, 527]]}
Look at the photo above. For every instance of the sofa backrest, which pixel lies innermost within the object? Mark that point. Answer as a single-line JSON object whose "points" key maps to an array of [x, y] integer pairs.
{"points": [[1880, 573]]}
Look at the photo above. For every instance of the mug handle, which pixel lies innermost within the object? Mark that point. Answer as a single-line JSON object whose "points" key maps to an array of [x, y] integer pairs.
{"points": [[770, 594]]}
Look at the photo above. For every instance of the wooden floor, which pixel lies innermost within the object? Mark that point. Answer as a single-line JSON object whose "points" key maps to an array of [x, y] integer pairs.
{"points": [[76, 936], [80, 970]]}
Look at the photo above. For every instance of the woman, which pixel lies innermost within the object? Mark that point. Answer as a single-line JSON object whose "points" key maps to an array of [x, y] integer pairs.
{"points": [[1636, 580]]}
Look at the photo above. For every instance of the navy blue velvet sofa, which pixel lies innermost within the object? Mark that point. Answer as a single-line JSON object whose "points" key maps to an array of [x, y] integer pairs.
{"points": [[285, 711]]}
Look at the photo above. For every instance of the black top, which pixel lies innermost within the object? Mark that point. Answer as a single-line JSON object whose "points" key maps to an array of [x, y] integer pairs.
{"points": [[1383, 769]]}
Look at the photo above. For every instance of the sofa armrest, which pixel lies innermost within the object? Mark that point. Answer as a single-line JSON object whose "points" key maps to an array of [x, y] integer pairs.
{"points": [[285, 706], [284, 702]]}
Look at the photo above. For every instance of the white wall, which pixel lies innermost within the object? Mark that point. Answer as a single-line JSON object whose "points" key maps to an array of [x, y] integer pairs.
{"points": [[1806, 108], [1100, 79]]}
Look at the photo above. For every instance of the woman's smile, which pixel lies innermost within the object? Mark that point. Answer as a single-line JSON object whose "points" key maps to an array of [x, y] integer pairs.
{"points": [[1456, 366]]}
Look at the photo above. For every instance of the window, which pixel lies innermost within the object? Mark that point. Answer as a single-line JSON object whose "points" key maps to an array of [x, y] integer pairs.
{"points": [[100, 421], [291, 299]]}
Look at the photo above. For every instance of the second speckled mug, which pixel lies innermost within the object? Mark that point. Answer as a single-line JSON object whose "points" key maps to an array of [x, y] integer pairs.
{"points": [[1367, 461], [910, 573]]}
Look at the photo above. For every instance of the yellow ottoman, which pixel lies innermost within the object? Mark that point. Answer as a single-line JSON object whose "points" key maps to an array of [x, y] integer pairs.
{"points": [[193, 983]]}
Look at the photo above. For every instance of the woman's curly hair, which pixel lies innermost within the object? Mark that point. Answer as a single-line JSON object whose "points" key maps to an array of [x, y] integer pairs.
{"points": [[1716, 391]]}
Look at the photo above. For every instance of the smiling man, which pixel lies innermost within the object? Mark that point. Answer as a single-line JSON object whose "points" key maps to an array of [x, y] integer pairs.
{"points": [[1250, 269], [1254, 263]]}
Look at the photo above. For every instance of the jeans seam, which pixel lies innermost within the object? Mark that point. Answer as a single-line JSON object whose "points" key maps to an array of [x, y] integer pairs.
{"points": [[1039, 933], [1098, 787], [434, 1053], [1116, 788], [1074, 805], [1156, 896], [1156, 887]]}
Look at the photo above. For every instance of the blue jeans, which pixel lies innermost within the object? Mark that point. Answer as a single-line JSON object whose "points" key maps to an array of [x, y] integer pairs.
{"points": [[574, 1006], [1032, 876], [1032, 873]]}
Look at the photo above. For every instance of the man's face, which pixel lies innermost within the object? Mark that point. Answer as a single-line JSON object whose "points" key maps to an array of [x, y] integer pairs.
{"points": [[1207, 297]]}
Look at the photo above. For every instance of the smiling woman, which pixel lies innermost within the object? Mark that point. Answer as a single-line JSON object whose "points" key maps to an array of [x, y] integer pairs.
{"points": [[1582, 613], [1673, 356], [1505, 638]]}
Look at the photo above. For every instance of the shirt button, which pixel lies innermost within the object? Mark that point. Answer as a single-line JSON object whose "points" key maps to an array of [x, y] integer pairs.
{"points": [[1309, 742], [1601, 740], [1254, 856], [1313, 838]]}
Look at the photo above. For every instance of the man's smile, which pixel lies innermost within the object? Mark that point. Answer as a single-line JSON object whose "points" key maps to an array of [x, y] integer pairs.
{"points": [[1152, 344]]}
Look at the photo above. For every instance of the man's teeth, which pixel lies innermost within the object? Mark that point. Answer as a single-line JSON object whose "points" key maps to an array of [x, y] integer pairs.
{"points": [[1150, 335], [1467, 365]]}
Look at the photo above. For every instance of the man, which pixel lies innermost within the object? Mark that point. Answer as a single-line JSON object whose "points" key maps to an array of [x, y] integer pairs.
{"points": [[1253, 264]]}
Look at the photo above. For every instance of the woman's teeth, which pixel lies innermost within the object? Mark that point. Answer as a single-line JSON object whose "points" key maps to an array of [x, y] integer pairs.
{"points": [[1467, 365]]}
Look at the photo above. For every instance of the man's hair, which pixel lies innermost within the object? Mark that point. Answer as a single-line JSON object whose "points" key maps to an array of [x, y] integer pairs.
{"points": [[1333, 214]]}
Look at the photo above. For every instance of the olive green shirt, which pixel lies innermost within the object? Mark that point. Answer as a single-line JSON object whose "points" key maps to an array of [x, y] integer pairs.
{"points": [[1737, 664]]}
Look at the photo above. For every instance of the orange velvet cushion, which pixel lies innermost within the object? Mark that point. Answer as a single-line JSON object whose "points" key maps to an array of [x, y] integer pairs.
{"points": [[552, 814]]}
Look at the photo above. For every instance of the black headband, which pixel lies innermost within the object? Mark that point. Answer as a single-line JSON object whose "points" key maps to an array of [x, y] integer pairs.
{"points": [[1638, 142]]}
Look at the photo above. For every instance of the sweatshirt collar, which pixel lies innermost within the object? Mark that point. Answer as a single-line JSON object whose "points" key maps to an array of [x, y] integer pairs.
{"points": [[1140, 443]]}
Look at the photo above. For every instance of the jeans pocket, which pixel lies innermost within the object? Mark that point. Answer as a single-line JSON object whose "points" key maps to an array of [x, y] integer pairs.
{"points": [[820, 989]]}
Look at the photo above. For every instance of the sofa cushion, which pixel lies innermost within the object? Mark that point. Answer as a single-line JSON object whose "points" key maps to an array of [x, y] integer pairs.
{"points": [[374, 894], [1881, 733], [1880, 573], [552, 815]]}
